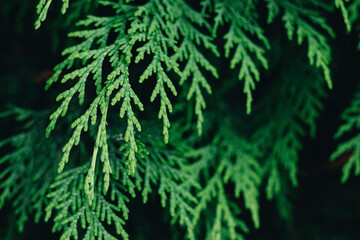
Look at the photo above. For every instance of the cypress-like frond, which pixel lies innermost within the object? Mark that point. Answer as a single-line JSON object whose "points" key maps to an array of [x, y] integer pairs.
{"points": [[307, 23], [345, 12], [150, 27], [190, 53], [129, 62], [71, 208], [279, 137], [170, 176], [353, 14], [351, 122], [43, 7], [26, 173], [242, 18], [227, 160], [93, 52]]}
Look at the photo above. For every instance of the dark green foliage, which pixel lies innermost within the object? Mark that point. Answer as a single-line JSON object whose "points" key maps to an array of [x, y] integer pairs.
{"points": [[26, 165], [220, 143], [285, 123], [351, 120]]}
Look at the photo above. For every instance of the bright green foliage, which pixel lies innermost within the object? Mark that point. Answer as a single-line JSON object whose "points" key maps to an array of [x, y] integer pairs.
{"points": [[341, 4], [72, 208], [43, 7], [210, 157], [157, 33], [147, 26], [118, 80], [173, 180], [233, 162], [188, 51], [351, 118]]}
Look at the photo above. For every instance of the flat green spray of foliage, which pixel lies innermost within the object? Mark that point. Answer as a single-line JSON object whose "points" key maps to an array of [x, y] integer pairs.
{"points": [[206, 160], [351, 119]]}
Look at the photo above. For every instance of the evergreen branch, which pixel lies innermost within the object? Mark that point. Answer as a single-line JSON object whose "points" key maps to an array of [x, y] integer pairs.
{"points": [[94, 59], [199, 181], [71, 208], [174, 184], [101, 142], [153, 26], [242, 22], [27, 171], [353, 11], [319, 51], [225, 211], [230, 160], [273, 10], [195, 60], [279, 139], [284, 154], [127, 94], [341, 5], [308, 103], [42, 10], [157, 166], [351, 119]]}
